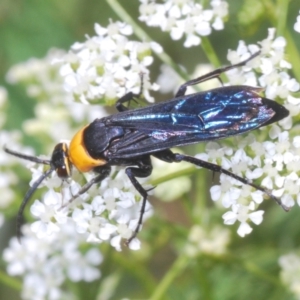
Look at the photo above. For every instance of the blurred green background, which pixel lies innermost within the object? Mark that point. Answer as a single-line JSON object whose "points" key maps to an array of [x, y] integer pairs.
{"points": [[250, 271]]}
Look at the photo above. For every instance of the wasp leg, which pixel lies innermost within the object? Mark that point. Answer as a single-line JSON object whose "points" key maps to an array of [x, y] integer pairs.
{"points": [[169, 156], [144, 169], [102, 171], [129, 97], [214, 74], [126, 98]]}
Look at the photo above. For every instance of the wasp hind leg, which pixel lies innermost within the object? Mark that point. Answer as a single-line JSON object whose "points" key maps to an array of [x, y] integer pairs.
{"points": [[144, 169], [214, 74], [169, 156]]}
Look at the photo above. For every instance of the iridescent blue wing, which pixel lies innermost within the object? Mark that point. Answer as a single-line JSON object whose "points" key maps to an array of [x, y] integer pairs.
{"points": [[204, 116]]}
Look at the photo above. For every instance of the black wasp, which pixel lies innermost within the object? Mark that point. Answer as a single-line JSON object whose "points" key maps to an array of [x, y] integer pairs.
{"points": [[130, 137]]}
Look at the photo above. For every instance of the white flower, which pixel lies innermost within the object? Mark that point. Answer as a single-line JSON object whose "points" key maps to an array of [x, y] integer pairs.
{"points": [[56, 110], [225, 191], [279, 174], [108, 65], [48, 213], [269, 62], [108, 211], [213, 241], [297, 24], [8, 177], [290, 270], [46, 264], [184, 18], [241, 213], [77, 267], [274, 164], [100, 214]]}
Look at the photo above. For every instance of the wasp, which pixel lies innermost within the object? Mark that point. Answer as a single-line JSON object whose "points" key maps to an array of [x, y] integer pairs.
{"points": [[130, 137]]}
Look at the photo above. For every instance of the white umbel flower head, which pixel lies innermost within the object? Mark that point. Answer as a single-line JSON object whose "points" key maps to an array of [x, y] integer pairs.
{"points": [[184, 18], [272, 162], [108, 65]]}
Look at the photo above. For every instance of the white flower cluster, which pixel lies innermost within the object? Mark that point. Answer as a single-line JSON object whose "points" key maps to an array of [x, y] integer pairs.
{"points": [[273, 68], [56, 114], [274, 162], [290, 272], [50, 251], [212, 242], [46, 264], [108, 212], [39, 77], [184, 18], [8, 177], [107, 66], [297, 24]]}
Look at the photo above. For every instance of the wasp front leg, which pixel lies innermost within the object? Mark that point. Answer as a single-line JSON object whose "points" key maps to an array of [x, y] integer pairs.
{"points": [[129, 97], [102, 171]]}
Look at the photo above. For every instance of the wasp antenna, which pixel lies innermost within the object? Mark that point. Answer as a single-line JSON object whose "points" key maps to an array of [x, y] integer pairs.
{"points": [[26, 199], [27, 157]]}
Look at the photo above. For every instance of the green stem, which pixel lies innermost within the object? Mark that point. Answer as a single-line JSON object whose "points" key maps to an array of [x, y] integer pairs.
{"points": [[176, 269], [293, 54], [249, 266], [143, 36], [259, 273], [201, 197], [200, 185], [138, 271], [281, 13], [202, 277], [183, 172], [212, 55], [10, 281], [210, 52]]}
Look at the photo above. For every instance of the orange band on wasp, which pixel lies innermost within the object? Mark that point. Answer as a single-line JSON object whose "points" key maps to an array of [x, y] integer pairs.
{"points": [[79, 156]]}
